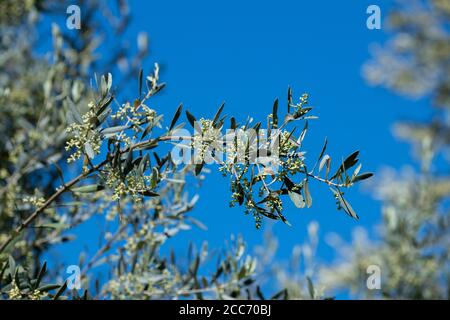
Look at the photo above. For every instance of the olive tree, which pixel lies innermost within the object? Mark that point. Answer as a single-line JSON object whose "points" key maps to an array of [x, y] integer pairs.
{"points": [[74, 147]]}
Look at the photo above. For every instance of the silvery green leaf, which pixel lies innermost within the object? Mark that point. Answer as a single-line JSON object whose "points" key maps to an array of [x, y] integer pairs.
{"points": [[74, 111], [297, 199], [89, 151], [112, 130], [325, 159], [308, 198], [344, 204]]}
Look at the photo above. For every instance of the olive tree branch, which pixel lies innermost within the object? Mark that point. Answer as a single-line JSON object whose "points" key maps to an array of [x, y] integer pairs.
{"points": [[25, 223]]}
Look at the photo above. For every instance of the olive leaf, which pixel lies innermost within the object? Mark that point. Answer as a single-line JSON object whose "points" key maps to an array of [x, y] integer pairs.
{"points": [[362, 176], [343, 204], [191, 118], [88, 188], [176, 116], [275, 114]]}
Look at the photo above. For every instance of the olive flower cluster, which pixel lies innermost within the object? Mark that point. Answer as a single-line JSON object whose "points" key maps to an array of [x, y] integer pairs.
{"points": [[35, 201], [136, 116], [132, 184], [15, 293], [86, 139], [206, 139]]}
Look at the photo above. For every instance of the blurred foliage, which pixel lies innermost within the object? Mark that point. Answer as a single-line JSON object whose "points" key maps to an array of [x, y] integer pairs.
{"points": [[412, 247], [70, 152], [297, 278], [415, 60]]}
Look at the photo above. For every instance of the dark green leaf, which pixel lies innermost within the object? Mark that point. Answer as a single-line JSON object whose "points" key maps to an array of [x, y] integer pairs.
{"points": [[323, 151], [240, 192], [191, 118], [349, 162], [12, 265], [149, 193], [217, 274], [49, 287], [289, 99], [88, 188], [102, 117], [158, 160], [310, 287], [232, 123], [266, 213], [140, 83], [198, 168], [146, 130], [275, 114], [363, 176], [159, 88], [128, 163], [154, 177], [219, 111], [282, 295], [259, 293], [104, 105], [176, 116], [143, 164], [282, 217], [2, 273], [60, 291], [289, 184], [40, 275]]}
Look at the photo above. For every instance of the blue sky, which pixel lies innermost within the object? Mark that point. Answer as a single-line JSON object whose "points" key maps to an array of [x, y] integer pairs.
{"points": [[247, 53]]}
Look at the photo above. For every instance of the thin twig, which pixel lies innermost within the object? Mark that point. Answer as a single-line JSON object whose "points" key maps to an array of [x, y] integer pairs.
{"points": [[67, 186], [47, 203]]}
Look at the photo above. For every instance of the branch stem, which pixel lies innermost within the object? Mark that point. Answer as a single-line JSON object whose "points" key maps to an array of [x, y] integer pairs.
{"points": [[25, 223]]}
